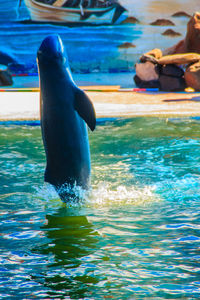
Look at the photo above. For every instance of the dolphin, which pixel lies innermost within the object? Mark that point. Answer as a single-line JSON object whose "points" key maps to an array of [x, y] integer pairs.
{"points": [[64, 111]]}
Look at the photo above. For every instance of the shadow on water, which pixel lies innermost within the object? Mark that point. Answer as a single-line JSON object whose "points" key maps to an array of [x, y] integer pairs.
{"points": [[71, 239]]}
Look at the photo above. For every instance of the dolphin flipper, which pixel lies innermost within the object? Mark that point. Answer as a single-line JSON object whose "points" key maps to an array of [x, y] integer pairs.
{"points": [[85, 108]]}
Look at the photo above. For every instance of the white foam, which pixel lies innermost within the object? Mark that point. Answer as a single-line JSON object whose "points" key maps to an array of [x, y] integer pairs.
{"points": [[102, 195]]}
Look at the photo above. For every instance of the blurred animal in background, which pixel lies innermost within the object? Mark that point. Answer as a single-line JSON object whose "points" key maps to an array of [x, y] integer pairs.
{"points": [[176, 67]]}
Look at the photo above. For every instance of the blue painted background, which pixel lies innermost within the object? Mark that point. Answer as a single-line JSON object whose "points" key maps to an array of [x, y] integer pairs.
{"points": [[91, 49]]}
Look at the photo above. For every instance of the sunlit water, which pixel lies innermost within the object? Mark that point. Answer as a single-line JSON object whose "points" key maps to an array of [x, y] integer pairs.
{"points": [[135, 236]]}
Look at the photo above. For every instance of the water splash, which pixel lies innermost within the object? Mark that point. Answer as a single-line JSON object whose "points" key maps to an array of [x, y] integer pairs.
{"points": [[69, 193], [49, 197], [102, 195]]}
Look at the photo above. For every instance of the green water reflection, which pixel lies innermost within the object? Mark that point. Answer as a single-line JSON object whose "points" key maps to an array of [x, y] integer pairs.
{"points": [[71, 238], [135, 236]]}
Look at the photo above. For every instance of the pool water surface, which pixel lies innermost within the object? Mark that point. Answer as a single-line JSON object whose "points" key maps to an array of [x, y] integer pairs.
{"points": [[135, 236]]}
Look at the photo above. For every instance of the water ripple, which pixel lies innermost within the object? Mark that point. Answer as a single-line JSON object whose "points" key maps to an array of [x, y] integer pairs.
{"points": [[135, 236]]}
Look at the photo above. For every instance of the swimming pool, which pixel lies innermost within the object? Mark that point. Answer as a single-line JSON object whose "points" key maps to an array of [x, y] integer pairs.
{"points": [[136, 235]]}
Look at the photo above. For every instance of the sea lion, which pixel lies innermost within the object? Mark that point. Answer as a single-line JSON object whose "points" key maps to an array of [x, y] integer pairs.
{"points": [[179, 59], [64, 110], [152, 56], [192, 76], [191, 42]]}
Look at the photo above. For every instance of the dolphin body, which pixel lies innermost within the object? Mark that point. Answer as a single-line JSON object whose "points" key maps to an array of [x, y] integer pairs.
{"points": [[64, 109]]}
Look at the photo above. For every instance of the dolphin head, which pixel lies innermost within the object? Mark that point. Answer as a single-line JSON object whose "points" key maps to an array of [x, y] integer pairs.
{"points": [[52, 50]]}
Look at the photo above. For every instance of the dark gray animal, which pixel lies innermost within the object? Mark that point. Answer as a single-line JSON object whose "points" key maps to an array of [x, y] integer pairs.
{"points": [[64, 110]]}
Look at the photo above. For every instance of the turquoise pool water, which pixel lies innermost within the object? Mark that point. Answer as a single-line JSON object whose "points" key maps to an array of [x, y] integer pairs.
{"points": [[136, 235]]}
